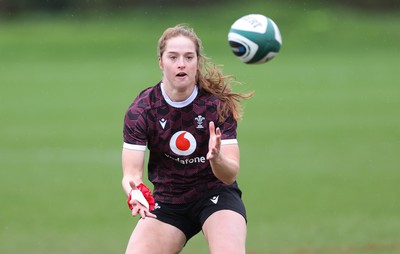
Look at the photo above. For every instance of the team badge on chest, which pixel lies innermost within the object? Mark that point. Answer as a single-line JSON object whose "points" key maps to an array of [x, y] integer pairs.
{"points": [[199, 119]]}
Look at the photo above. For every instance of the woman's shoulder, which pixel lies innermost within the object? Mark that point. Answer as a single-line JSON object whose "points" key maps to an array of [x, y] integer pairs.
{"points": [[147, 97], [207, 97]]}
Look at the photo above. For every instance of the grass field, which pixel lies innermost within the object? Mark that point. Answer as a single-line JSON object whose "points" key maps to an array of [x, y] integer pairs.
{"points": [[320, 141]]}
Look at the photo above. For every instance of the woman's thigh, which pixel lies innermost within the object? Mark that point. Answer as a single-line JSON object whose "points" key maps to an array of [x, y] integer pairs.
{"points": [[153, 236], [225, 232]]}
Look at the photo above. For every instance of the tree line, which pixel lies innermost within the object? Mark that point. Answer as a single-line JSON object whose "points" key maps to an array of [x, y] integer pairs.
{"points": [[15, 6]]}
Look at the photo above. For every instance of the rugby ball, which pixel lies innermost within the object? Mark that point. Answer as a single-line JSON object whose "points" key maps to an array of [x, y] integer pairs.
{"points": [[254, 39]]}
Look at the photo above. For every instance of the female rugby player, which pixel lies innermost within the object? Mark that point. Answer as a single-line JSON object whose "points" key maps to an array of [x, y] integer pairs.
{"points": [[188, 123]]}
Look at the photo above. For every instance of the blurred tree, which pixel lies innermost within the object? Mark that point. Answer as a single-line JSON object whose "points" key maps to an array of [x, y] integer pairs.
{"points": [[371, 4], [14, 6]]}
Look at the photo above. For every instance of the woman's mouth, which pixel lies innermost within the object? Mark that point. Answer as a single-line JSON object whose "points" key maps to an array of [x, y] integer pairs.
{"points": [[181, 74]]}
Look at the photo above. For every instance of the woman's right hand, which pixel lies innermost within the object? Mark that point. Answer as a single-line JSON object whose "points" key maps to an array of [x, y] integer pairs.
{"points": [[135, 205]]}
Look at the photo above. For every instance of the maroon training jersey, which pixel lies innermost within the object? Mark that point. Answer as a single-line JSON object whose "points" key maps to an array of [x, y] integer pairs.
{"points": [[177, 136]]}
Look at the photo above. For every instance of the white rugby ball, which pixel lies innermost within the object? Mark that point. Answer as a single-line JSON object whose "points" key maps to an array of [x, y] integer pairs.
{"points": [[255, 39]]}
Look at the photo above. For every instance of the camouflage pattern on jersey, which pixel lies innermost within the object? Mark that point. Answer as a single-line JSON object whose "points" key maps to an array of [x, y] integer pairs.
{"points": [[177, 139]]}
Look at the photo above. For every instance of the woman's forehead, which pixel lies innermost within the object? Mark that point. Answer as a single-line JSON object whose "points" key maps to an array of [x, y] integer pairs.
{"points": [[180, 44]]}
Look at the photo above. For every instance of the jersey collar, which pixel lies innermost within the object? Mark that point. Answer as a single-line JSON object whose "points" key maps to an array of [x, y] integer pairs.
{"points": [[179, 104]]}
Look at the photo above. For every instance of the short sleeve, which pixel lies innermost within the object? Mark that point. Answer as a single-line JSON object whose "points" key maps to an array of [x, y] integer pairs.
{"points": [[135, 127], [228, 130]]}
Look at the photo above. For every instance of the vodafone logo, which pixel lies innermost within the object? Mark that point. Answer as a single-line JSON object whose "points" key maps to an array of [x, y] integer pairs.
{"points": [[183, 143]]}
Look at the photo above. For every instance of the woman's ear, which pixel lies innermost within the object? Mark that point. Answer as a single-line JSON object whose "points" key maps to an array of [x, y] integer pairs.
{"points": [[160, 62]]}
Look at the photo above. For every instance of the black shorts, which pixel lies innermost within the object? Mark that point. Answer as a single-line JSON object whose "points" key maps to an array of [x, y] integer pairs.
{"points": [[189, 218]]}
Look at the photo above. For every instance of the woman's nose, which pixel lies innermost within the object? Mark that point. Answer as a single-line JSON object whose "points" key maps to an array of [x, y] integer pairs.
{"points": [[181, 62]]}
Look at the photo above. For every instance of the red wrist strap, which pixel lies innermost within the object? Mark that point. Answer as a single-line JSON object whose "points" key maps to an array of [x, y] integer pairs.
{"points": [[147, 195], [127, 201]]}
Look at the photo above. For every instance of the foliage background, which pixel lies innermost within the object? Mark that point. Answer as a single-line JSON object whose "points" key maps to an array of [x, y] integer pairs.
{"points": [[320, 139]]}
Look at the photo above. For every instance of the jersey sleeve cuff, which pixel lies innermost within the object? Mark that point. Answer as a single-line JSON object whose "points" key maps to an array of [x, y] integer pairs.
{"points": [[134, 147], [229, 141]]}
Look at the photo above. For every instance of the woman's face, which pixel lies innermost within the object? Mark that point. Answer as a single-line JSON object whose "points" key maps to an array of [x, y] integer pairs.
{"points": [[179, 64]]}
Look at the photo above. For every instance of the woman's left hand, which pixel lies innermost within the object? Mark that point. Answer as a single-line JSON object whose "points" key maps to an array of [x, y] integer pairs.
{"points": [[214, 144]]}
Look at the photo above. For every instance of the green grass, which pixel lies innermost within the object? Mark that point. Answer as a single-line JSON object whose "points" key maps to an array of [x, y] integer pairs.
{"points": [[319, 141]]}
